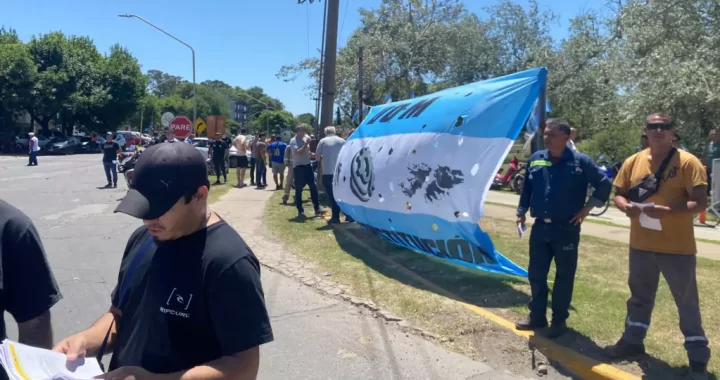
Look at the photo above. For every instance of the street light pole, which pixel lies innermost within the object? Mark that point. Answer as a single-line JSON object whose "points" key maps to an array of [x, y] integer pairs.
{"points": [[267, 123], [193, 59]]}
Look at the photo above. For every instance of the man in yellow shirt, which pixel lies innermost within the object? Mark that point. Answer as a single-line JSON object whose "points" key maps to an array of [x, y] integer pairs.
{"points": [[670, 185]]}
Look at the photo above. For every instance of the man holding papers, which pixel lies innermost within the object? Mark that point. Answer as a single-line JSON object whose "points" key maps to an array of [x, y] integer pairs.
{"points": [[27, 286], [660, 188], [189, 303]]}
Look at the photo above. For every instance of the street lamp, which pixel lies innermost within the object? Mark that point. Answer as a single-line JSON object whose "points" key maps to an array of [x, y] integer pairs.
{"points": [[267, 125], [178, 40]]}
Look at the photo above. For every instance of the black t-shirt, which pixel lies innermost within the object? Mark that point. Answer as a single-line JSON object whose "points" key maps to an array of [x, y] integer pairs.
{"points": [[218, 149], [190, 301], [27, 286], [110, 149]]}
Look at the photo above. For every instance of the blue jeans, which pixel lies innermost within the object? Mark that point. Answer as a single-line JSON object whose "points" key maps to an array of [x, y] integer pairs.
{"points": [[33, 158], [110, 168]]}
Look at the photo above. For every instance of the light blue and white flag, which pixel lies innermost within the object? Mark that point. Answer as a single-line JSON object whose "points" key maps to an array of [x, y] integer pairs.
{"points": [[356, 115], [388, 98], [416, 172]]}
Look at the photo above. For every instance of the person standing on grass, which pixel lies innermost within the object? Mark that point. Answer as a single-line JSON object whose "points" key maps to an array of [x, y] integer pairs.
{"points": [[261, 162], [288, 160], [303, 173], [189, 301], [240, 143], [555, 193], [251, 149], [277, 159], [327, 152], [675, 182], [217, 154], [712, 152]]}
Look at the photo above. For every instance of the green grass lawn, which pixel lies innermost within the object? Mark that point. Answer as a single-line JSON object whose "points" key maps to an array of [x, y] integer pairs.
{"points": [[598, 310]]}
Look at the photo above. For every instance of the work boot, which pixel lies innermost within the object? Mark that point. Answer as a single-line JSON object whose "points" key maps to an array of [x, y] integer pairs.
{"points": [[557, 330], [301, 215], [528, 324], [108, 186], [624, 350], [114, 185], [334, 221], [697, 371], [217, 182]]}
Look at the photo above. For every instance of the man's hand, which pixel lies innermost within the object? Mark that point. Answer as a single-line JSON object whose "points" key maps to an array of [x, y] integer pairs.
{"points": [[521, 220], [657, 211], [581, 215], [632, 211], [129, 373], [73, 347]]}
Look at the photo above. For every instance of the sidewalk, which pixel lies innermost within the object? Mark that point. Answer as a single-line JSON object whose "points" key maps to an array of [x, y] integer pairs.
{"points": [[318, 336], [612, 215]]}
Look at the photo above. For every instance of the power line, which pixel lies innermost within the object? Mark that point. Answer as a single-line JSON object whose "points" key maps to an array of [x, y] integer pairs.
{"points": [[347, 6]]}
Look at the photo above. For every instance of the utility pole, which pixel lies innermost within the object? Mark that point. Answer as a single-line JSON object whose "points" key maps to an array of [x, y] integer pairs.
{"points": [[361, 106], [316, 125], [328, 85]]}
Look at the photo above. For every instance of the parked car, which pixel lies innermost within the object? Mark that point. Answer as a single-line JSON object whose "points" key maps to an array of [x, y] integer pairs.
{"points": [[147, 139], [129, 137], [21, 143], [87, 146], [62, 145]]}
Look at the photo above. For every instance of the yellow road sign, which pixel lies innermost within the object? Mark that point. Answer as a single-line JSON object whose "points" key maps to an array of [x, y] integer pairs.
{"points": [[200, 125]]}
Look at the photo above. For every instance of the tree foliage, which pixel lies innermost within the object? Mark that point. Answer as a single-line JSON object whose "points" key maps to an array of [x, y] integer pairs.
{"points": [[610, 70]]}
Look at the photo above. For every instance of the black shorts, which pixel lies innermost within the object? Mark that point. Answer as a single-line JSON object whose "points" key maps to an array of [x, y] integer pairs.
{"points": [[242, 162]]}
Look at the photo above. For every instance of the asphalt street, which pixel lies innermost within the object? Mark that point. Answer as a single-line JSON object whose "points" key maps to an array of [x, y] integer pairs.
{"points": [[317, 337]]}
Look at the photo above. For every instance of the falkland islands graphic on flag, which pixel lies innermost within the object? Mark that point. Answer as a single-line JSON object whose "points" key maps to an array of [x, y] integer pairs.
{"points": [[416, 172]]}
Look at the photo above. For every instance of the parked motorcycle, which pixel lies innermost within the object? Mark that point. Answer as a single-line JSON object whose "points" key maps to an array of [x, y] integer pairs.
{"points": [[610, 172], [126, 166], [505, 179]]}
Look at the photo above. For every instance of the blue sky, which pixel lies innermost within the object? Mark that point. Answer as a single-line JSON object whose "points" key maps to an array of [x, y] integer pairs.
{"points": [[241, 42]]}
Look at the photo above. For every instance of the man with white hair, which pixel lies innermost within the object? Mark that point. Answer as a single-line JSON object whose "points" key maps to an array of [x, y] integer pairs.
{"points": [[33, 149], [327, 152]]}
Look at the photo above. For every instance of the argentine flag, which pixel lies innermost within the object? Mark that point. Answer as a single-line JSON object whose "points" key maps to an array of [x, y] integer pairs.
{"points": [[416, 172]]}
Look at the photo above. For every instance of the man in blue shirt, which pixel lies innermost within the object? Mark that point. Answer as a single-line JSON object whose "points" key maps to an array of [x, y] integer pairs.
{"points": [[555, 192], [276, 149]]}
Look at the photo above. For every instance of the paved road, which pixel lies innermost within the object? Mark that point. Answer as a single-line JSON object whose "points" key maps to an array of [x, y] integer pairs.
{"points": [[317, 337]]}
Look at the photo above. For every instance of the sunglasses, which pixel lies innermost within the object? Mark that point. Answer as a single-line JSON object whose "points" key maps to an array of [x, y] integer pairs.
{"points": [[663, 127]]}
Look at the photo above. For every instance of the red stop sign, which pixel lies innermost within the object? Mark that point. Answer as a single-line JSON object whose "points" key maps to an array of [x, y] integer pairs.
{"points": [[181, 126]]}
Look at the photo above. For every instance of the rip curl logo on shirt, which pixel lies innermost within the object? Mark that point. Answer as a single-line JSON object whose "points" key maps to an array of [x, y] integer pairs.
{"points": [[362, 175], [177, 304]]}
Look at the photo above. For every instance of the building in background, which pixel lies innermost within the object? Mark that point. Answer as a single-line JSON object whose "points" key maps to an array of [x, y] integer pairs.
{"points": [[238, 111]]}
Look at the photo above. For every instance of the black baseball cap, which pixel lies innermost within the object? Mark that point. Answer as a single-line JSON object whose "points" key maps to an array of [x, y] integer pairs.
{"points": [[164, 173]]}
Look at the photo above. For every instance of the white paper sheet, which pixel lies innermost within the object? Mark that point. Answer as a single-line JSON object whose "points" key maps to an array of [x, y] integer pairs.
{"points": [[645, 220], [23, 362], [521, 228]]}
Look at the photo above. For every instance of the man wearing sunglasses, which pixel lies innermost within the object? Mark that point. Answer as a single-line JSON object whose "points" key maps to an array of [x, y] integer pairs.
{"points": [[668, 184]]}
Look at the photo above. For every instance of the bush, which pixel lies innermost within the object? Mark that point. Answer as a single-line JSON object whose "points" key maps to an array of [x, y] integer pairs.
{"points": [[617, 143]]}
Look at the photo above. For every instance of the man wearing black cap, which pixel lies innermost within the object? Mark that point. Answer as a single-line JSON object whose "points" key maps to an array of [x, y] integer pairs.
{"points": [[189, 303]]}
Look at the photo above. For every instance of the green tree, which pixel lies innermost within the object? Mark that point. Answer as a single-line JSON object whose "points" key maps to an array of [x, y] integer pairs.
{"points": [[306, 118], [274, 120], [163, 84], [125, 85], [17, 71]]}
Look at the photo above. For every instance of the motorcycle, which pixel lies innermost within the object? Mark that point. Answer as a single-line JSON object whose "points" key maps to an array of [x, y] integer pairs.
{"points": [[126, 166], [505, 179], [610, 172]]}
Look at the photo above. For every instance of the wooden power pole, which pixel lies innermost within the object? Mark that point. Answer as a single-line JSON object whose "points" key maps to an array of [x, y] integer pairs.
{"points": [[328, 74]]}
